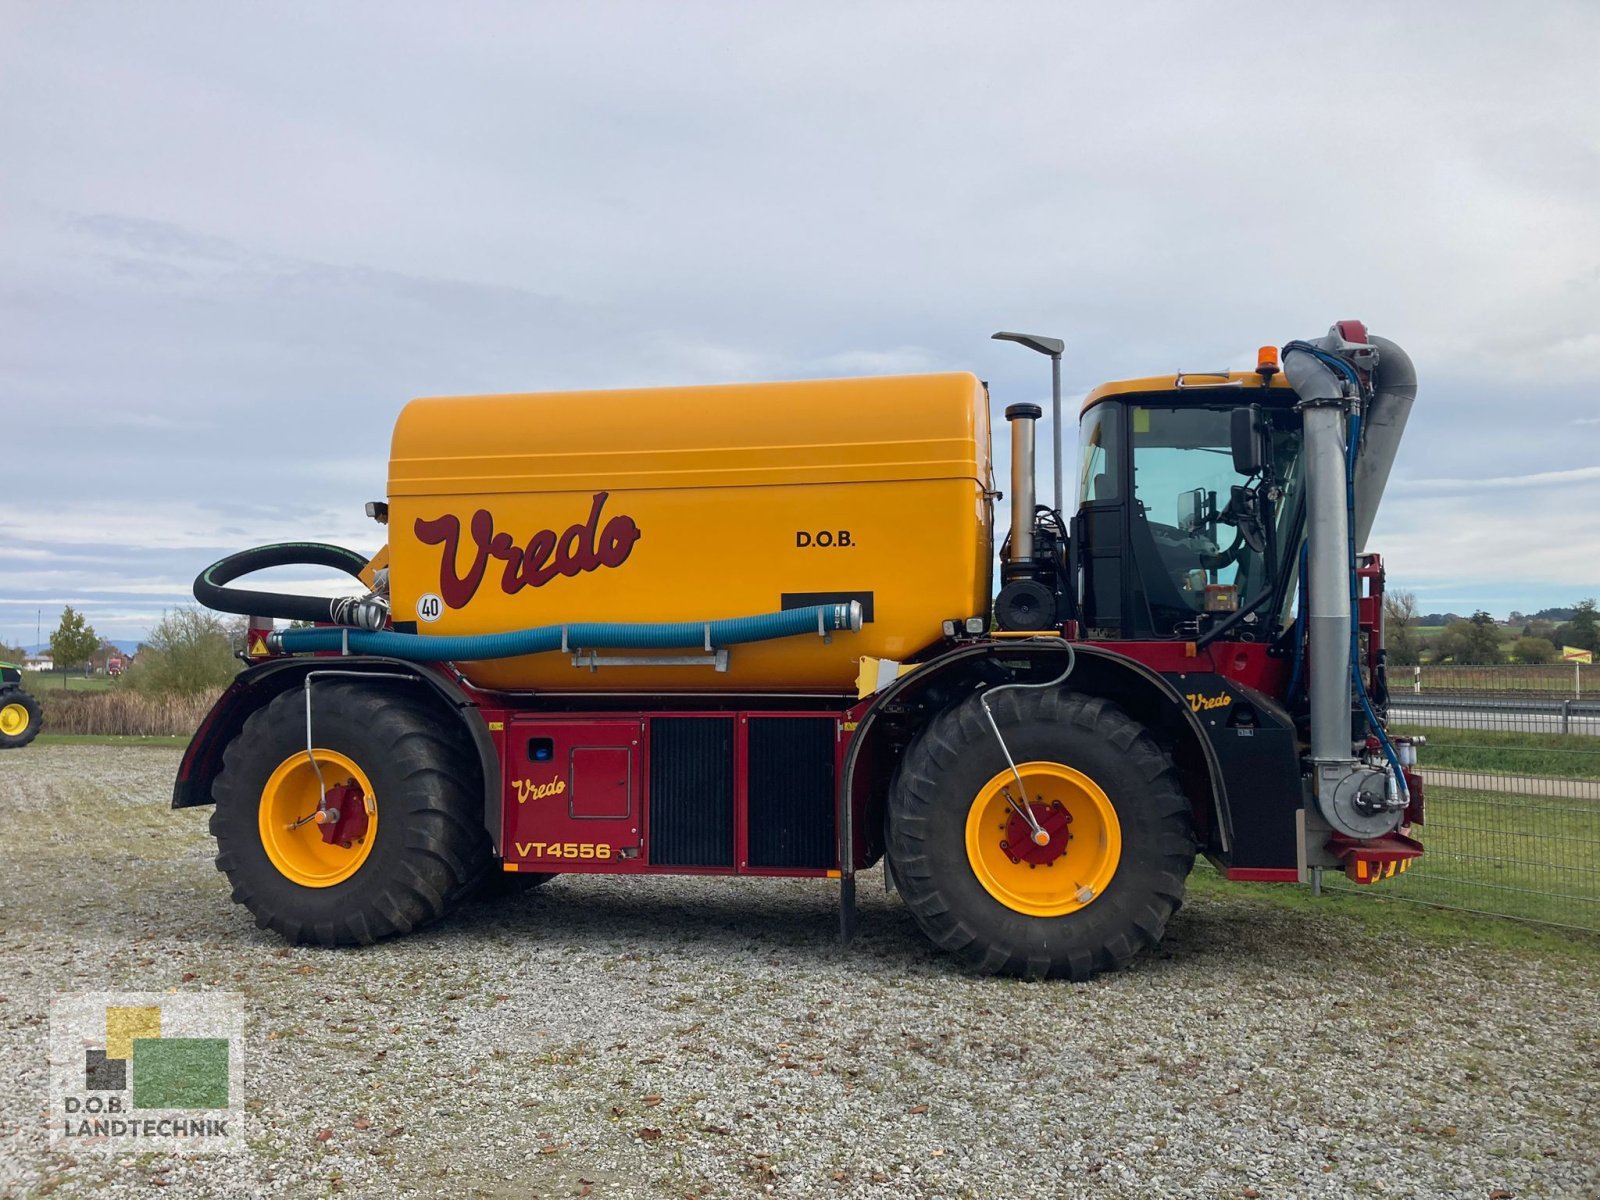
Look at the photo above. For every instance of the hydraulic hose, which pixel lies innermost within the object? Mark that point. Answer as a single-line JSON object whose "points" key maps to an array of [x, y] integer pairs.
{"points": [[209, 589], [586, 635]]}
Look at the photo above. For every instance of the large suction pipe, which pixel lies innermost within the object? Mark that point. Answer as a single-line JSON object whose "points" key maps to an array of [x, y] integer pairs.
{"points": [[1395, 383], [1022, 418], [1323, 403]]}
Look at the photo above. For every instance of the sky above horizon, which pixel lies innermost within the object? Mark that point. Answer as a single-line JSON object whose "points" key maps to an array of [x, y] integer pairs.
{"points": [[234, 240]]}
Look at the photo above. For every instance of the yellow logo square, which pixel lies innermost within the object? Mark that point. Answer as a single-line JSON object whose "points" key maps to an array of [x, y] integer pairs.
{"points": [[125, 1024]]}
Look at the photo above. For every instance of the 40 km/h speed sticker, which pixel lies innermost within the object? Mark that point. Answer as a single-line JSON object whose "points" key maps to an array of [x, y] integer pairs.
{"points": [[429, 607]]}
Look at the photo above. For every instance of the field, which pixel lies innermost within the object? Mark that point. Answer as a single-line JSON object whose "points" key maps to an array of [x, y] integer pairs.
{"points": [[709, 1038], [1556, 678], [59, 681], [1508, 753], [1534, 858], [1512, 828]]}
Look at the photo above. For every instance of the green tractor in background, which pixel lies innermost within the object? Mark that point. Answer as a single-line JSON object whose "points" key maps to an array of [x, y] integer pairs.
{"points": [[19, 712]]}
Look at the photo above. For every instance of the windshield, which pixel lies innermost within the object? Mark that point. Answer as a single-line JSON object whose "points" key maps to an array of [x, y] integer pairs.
{"points": [[1191, 531], [1099, 465]]}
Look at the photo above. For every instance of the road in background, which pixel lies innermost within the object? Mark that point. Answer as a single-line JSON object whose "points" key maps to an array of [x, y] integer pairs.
{"points": [[1577, 717]]}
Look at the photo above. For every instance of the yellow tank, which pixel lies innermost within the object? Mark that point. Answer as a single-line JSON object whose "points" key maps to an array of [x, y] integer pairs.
{"points": [[690, 504]]}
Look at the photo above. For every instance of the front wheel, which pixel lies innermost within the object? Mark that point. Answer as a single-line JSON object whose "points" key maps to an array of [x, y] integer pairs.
{"points": [[1085, 885], [19, 719], [398, 841]]}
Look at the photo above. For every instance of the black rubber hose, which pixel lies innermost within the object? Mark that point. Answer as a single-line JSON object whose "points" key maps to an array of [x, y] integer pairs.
{"points": [[209, 589]]}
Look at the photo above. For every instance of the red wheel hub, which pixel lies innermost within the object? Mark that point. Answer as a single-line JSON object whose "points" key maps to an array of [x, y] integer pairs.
{"points": [[350, 802], [1018, 840]]}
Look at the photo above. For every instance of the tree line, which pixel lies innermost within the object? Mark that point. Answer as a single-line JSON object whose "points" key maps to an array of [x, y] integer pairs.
{"points": [[1480, 639], [188, 652]]}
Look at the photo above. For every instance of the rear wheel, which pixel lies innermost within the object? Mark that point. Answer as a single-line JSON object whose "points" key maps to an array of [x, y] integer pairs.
{"points": [[399, 840], [19, 719], [1098, 881]]}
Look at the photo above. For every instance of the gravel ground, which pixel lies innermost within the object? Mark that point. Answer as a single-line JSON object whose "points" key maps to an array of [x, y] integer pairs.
{"points": [[682, 1037]]}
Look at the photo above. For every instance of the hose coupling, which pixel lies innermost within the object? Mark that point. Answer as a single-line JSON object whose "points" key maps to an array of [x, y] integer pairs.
{"points": [[369, 612]]}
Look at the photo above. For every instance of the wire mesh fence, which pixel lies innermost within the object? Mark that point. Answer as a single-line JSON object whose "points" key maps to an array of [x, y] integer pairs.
{"points": [[1512, 776], [1575, 679]]}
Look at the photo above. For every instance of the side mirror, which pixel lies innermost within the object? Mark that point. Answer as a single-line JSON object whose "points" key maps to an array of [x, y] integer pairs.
{"points": [[1246, 433], [1191, 510]]}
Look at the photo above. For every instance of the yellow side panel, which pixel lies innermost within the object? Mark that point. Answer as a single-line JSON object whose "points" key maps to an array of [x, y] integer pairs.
{"points": [[694, 505]]}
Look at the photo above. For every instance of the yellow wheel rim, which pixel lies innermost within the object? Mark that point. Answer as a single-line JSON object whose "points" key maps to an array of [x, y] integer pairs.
{"points": [[292, 794], [13, 719], [1071, 807]]}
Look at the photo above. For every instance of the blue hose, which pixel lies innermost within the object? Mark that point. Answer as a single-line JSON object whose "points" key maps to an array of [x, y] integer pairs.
{"points": [[587, 635]]}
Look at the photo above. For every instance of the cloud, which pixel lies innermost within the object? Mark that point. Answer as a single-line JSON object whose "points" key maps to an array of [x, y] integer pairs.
{"points": [[1536, 479], [1454, 541], [220, 283]]}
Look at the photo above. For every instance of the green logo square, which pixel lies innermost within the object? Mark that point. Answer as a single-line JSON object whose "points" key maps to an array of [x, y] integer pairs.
{"points": [[173, 1072]]}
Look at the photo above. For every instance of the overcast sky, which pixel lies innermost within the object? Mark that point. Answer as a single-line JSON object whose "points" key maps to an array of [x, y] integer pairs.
{"points": [[234, 240]]}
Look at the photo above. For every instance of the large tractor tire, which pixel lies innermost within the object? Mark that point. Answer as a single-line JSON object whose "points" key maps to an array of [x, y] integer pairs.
{"points": [[410, 843], [1120, 835], [19, 719]]}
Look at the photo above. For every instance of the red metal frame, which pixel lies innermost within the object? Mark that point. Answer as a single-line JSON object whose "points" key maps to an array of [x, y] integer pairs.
{"points": [[1248, 663], [1369, 612], [523, 722], [1264, 874]]}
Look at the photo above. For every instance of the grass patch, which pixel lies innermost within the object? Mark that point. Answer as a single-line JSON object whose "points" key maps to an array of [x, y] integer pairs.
{"points": [[61, 681], [1379, 909], [106, 739], [1489, 854], [1528, 858], [1536, 858], [1562, 756]]}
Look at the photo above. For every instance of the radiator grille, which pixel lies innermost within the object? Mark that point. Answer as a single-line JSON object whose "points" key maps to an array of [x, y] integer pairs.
{"points": [[691, 791], [791, 792]]}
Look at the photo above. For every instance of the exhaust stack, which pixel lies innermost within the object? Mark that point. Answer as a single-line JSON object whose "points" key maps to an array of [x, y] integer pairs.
{"points": [[1022, 418]]}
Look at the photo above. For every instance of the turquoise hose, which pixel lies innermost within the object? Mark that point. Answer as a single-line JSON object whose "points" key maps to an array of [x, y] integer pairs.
{"points": [[585, 635]]}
